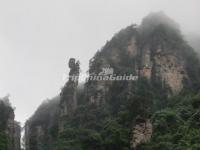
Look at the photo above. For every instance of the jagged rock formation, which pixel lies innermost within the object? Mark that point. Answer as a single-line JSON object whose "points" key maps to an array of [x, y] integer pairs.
{"points": [[68, 95], [10, 130], [141, 132], [68, 101], [156, 52]]}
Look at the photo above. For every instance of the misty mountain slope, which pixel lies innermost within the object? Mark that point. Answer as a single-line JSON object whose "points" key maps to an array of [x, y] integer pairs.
{"points": [[154, 49], [194, 42], [43, 125], [41, 129], [160, 110]]}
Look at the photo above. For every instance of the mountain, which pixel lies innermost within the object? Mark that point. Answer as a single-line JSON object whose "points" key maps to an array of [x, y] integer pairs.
{"points": [[157, 110], [10, 130]]}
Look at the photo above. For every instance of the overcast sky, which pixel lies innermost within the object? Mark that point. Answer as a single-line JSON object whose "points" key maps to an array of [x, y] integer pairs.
{"points": [[37, 37]]}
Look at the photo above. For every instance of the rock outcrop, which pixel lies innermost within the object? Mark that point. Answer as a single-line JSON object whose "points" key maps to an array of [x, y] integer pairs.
{"points": [[68, 100], [68, 95], [141, 132]]}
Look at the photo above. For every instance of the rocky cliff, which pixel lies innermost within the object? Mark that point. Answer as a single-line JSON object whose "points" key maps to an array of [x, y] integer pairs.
{"points": [[68, 95], [154, 50], [113, 114]]}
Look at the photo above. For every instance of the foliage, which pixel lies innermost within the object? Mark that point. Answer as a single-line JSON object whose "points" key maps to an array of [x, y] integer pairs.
{"points": [[5, 111], [176, 128], [93, 128]]}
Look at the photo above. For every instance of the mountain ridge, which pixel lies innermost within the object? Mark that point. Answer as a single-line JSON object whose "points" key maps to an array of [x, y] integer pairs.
{"points": [[115, 115]]}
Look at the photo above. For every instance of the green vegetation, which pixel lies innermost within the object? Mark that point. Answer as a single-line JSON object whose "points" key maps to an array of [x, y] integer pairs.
{"points": [[5, 111], [176, 127]]}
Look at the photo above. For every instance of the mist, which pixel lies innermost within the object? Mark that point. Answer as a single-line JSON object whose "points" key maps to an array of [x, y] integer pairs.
{"points": [[38, 37]]}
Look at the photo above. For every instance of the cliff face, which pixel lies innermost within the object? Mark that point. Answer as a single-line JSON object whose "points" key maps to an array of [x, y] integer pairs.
{"points": [[104, 113], [154, 50], [42, 128], [10, 130]]}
